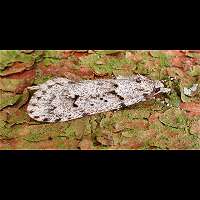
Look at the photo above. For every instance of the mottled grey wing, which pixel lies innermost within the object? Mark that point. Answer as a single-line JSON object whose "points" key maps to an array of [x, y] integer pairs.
{"points": [[61, 99]]}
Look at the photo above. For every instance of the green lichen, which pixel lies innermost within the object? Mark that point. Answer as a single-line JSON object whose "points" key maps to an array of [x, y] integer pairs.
{"points": [[195, 128], [7, 57], [193, 55], [69, 132], [107, 123], [2, 124], [140, 113], [3, 116], [7, 99], [194, 71], [174, 99], [142, 69], [157, 126], [10, 85], [80, 127], [23, 98], [174, 117], [163, 58], [164, 61], [34, 137], [105, 52], [109, 63], [5, 131], [129, 133], [18, 117], [52, 54], [49, 61], [40, 77], [44, 131]]}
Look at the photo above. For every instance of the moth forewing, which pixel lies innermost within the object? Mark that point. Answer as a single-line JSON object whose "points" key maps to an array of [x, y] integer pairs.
{"points": [[61, 99]]}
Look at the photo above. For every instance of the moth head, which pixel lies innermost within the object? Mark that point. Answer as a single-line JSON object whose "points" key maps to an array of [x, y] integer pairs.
{"points": [[152, 87], [160, 88]]}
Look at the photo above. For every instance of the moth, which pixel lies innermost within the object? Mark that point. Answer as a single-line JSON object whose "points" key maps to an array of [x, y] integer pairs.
{"points": [[61, 99]]}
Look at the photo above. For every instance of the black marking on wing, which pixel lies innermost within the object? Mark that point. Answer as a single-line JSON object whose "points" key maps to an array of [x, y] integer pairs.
{"points": [[120, 97], [72, 82], [75, 99], [69, 116], [57, 120], [36, 117], [46, 119], [49, 86], [156, 90], [52, 108], [116, 94], [53, 97], [113, 92], [75, 105], [59, 84], [123, 105], [138, 80], [84, 114], [139, 89], [100, 83]]}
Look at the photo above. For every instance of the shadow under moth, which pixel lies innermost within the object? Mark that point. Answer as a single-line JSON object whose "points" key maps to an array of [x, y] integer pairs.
{"points": [[61, 99]]}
